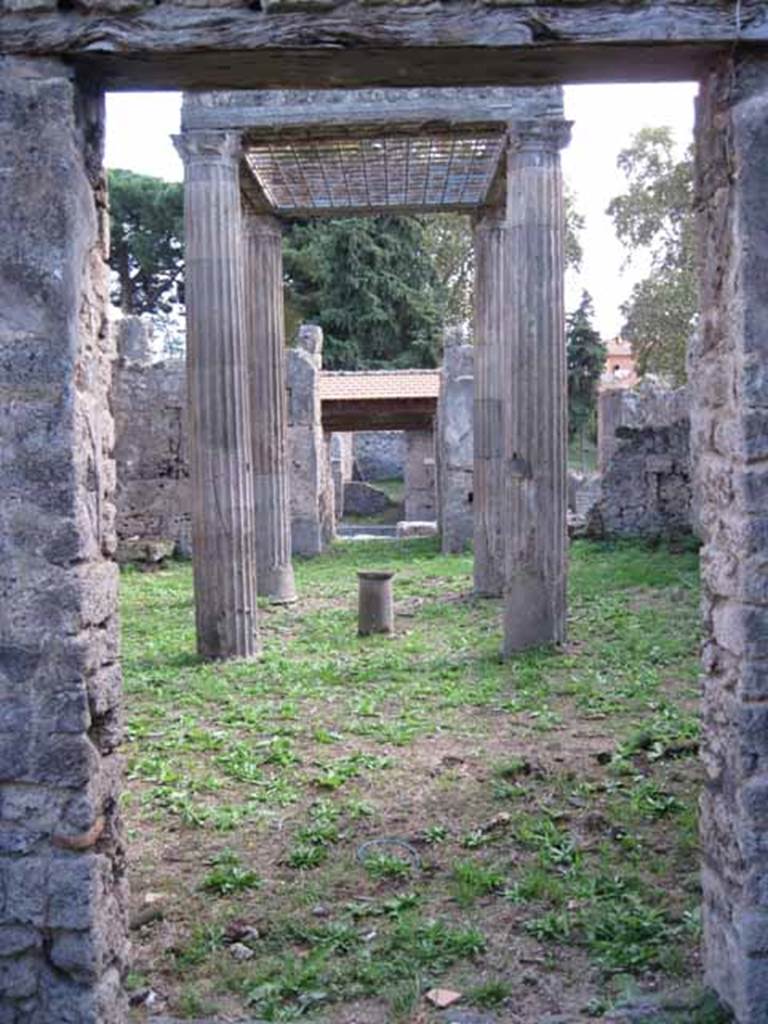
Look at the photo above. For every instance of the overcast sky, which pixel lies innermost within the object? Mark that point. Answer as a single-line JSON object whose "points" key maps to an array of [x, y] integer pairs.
{"points": [[139, 126]]}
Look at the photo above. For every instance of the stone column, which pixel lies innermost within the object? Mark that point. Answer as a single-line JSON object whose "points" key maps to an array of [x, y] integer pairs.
{"points": [[729, 436], [491, 325], [269, 405], [63, 923], [223, 517], [534, 414]]}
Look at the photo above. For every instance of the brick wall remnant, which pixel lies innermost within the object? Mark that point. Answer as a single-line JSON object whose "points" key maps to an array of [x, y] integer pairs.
{"points": [[151, 441], [63, 953]]}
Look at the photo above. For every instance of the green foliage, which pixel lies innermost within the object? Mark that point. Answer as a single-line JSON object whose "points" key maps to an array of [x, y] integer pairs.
{"points": [[146, 244], [371, 285], [490, 994], [293, 757], [655, 216], [574, 225], [229, 876], [472, 879], [585, 355], [449, 244], [386, 865]]}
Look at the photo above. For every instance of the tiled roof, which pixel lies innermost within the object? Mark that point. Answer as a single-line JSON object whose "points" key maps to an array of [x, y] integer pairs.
{"points": [[381, 384]]}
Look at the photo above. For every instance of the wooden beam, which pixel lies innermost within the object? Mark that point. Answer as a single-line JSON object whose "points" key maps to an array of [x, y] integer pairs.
{"points": [[169, 45], [378, 414]]}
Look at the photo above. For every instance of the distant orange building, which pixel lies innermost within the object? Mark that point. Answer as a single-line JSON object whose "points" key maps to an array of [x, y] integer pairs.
{"points": [[620, 370]]}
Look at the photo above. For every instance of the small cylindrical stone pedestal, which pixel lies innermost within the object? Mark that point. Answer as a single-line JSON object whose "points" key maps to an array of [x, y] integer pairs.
{"points": [[375, 612]]}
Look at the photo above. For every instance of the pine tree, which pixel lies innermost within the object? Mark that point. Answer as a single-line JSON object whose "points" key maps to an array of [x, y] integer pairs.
{"points": [[372, 287], [146, 246], [585, 359]]}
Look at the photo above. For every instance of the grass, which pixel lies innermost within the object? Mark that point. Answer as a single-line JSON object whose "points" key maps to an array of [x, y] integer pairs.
{"points": [[551, 800]]}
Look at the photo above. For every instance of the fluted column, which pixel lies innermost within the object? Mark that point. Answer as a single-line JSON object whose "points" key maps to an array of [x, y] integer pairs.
{"points": [[534, 415], [487, 484], [269, 412], [223, 519]]}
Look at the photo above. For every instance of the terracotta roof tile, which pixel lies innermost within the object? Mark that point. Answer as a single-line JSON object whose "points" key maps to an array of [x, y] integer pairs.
{"points": [[383, 384]]}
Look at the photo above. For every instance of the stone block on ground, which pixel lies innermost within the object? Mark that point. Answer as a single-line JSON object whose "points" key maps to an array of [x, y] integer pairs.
{"points": [[415, 528], [363, 499], [151, 551]]}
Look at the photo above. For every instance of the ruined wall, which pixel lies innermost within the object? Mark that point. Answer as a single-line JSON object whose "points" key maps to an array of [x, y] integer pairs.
{"points": [[729, 437], [149, 402], [379, 454], [312, 497], [420, 476], [342, 459], [62, 869], [455, 448], [643, 452]]}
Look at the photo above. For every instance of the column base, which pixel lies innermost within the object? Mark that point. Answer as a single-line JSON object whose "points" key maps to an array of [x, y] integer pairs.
{"points": [[278, 585], [528, 616]]}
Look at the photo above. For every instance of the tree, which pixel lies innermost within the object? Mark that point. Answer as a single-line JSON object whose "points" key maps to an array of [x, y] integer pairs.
{"points": [[449, 242], [372, 287], [585, 361], [655, 216], [147, 247], [574, 225]]}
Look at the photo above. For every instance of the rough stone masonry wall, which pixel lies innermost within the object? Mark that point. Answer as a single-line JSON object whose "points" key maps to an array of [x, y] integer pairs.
{"points": [[420, 496], [379, 454], [312, 496], [62, 874], [455, 448], [149, 401], [729, 437], [643, 450]]}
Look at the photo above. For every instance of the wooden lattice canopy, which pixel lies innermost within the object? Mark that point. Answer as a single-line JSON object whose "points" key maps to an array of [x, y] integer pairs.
{"points": [[430, 172], [342, 152]]}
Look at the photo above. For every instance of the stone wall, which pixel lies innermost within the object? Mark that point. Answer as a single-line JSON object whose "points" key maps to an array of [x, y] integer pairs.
{"points": [[420, 482], [379, 454], [341, 468], [644, 458], [455, 448], [361, 499], [312, 498], [63, 930], [149, 403], [729, 439]]}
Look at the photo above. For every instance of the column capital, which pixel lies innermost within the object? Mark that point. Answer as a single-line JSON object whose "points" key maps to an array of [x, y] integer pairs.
{"points": [[261, 225], [223, 147], [488, 218], [539, 135]]}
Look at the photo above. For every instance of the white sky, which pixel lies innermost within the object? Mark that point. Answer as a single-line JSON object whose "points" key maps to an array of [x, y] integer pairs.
{"points": [[139, 126]]}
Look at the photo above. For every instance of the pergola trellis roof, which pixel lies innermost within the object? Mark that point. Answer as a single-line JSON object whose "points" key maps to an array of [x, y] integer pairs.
{"points": [[338, 152], [429, 172]]}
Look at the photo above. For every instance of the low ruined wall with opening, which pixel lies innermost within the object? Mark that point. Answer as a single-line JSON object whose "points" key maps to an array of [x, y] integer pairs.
{"points": [[153, 496], [644, 461]]}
